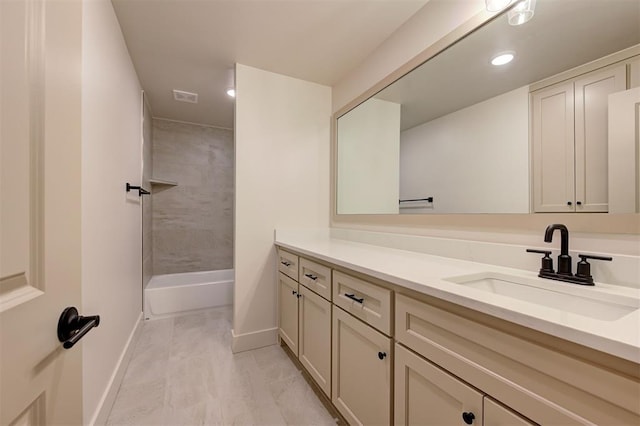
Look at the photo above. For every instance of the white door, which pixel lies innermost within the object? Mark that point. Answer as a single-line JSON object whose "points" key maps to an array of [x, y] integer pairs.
{"points": [[40, 48]]}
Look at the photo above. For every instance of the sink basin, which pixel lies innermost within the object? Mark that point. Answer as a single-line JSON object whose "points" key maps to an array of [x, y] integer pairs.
{"points": [[586, 301]]}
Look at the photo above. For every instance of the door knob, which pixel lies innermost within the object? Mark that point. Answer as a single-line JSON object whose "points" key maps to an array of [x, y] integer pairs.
{"points": [[72, 327]]}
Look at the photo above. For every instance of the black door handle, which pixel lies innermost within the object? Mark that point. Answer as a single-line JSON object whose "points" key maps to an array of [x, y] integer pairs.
{"points": [[72, 327]]}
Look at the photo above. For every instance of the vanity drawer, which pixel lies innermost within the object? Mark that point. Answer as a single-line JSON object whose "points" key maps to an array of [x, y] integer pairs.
{"points": [[288, 264], [315, 277], [367, 301]]}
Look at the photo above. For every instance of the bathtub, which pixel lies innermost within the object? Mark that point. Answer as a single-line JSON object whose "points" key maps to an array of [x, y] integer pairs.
{"points": [[171, 294]]}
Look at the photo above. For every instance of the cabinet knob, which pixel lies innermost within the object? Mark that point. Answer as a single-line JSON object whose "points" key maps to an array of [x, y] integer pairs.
{"points": [[569, 203], [468, 417], [294, 292], [579, 203], [382, 355]]}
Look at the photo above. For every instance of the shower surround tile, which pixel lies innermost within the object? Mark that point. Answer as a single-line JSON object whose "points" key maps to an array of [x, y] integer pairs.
{"points": [[183, 373], [193, 221]]}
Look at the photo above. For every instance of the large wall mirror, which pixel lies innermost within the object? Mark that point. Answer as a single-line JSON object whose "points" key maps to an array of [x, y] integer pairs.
{"points": [[552, 130]]}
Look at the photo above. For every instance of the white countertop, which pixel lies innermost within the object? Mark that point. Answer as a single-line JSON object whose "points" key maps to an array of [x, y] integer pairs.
{"points": [[427, 273]]}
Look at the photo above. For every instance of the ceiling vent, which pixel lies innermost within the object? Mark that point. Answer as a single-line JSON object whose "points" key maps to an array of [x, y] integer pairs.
{"points": [[182, 96]]}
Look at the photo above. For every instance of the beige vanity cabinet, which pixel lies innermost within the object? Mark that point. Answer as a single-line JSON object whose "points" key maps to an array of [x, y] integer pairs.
{"points": [[496, 414], [362, 365], [305, 316], [288, 264], [315, 277], [426, 395], [288, 311], [314, 344], [569, 142], [533, 379]]}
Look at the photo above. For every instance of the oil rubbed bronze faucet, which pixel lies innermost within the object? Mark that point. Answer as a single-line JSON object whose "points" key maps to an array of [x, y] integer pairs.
{"points": [[564, 260], [583, 273]]}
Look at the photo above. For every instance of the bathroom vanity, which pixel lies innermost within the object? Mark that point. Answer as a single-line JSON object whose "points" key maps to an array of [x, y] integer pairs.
{"points": [[401, 337]]}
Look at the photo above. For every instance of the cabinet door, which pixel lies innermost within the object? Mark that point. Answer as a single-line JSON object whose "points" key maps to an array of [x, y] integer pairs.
{"points": [[591, 133], [497, 415], [634, 73], [553, 149], [361, 388], [288, 299], [314, 346], [426, 395]]}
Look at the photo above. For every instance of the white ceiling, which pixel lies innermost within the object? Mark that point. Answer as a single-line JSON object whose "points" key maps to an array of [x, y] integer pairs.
{"points": [[192, 45]]}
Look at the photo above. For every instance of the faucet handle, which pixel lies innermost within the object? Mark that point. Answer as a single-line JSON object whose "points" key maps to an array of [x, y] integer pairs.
{"points": [[546, 263], [584, 257], [584, 268]]}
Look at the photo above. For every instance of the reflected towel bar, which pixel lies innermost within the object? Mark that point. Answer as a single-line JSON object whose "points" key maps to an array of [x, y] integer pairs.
{"points": [[428, 200]]}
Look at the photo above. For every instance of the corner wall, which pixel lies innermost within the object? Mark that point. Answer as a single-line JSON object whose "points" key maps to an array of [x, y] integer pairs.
{"points": [[282, 132], [111, 218]]}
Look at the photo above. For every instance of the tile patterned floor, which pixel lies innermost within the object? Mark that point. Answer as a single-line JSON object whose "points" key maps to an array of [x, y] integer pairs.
{"points": [[183, 373]]}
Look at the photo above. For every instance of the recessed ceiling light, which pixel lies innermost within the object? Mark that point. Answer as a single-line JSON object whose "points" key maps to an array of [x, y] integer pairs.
{"points": [[231, 92], [502, 59]]}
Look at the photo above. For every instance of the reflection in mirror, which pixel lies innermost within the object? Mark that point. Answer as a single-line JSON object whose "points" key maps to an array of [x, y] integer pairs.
{"points": [[533, 135]]}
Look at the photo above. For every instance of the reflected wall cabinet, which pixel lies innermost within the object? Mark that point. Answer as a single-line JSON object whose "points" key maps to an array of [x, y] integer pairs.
{"points": [[569, 141]]}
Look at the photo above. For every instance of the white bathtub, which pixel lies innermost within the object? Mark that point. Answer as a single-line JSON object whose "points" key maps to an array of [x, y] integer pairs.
{"points": [[171, 294]]}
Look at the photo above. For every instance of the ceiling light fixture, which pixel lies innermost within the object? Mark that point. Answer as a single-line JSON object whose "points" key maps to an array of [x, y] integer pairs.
{"points": [[231, 92], [502, 58], [496, 5], [521, 12]]}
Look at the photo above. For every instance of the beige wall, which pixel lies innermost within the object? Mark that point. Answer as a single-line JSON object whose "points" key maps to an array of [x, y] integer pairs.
{"points": [[475, 160], [282, 181], [111, 218], [369, 158], [193, 221]]}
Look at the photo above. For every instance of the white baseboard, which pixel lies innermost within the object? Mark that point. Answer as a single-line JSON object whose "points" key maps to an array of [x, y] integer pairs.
{"points": [[108, 398], [253, 340]]}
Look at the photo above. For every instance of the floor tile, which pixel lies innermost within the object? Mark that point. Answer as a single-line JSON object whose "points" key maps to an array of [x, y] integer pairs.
{"points": [[183, 372]]}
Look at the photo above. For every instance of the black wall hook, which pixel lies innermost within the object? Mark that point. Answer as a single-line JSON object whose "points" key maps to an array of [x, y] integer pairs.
{"points": [[141, 190]]}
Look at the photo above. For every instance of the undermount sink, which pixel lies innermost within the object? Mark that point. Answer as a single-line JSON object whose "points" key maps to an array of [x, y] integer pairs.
{"points": [[581, 300]]}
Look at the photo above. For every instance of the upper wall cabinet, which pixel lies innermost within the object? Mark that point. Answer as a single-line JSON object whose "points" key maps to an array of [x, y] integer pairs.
{"points": [[570, 142]]}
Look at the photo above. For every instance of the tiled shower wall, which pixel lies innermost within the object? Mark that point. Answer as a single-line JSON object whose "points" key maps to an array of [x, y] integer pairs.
{"points": [[147, 201], [193, 221]]}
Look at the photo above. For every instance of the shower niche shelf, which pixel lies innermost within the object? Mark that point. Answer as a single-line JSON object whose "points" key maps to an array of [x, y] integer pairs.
{"points": [[165, 182]]}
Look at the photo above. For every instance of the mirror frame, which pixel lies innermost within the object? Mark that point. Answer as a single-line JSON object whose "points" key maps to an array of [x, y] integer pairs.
{"points": [[577, 222]]}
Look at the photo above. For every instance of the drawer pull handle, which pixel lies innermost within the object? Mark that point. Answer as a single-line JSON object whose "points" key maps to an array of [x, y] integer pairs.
{"points": [[287, 264], [354, 298], [382, 355], [313, 277], [468, 417]]}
